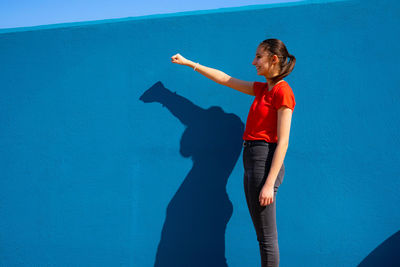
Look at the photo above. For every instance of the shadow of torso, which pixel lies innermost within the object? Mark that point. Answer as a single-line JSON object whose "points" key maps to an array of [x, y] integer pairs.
{"points": [[194, 229]]}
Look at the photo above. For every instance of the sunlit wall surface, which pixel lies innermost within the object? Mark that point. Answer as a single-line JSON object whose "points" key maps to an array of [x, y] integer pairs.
{"points": [[110, 155]]}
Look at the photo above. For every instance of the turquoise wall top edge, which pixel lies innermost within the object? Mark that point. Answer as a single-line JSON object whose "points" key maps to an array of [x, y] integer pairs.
{"points": [[167, 15]]}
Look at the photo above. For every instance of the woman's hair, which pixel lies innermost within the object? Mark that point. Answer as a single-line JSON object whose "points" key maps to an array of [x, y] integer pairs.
{"points": [[278, 48]]}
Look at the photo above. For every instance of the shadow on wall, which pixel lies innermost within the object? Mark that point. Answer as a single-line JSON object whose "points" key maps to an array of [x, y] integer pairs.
{"points": [[386, 254], [194, 229]]}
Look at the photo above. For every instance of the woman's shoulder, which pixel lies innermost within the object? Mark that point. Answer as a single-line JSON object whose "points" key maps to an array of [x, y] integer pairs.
{"points": [[283, 96], [283, 88]]}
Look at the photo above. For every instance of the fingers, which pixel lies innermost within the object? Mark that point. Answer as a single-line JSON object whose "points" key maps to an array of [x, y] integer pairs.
{"points": [[175, 58], [265, 201]]}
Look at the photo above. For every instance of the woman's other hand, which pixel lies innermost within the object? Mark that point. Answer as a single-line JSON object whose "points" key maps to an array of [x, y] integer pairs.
{"points": [[266, 195], [178, 59]]}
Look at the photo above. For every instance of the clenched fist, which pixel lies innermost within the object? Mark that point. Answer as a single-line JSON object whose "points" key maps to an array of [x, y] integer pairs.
{"points": [[178, 59]]}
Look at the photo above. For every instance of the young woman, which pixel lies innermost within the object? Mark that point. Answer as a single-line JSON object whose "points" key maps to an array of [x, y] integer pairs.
{"points": [[266, 136]]}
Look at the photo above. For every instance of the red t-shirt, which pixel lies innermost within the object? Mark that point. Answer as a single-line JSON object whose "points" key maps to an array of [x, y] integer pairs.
{"points": [[262, 120]]}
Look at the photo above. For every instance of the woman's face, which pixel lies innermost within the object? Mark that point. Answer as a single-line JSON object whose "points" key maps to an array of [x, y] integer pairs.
{"points": [[264, 63]]}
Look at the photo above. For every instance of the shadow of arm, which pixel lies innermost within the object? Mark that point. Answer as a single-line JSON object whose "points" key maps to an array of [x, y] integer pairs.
{"points": [[179, 106]]}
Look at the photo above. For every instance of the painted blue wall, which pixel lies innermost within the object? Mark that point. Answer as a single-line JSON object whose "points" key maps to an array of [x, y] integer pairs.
{"points": [[111, 155]]}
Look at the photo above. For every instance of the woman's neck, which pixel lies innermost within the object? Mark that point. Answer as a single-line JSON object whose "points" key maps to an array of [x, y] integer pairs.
{"points": [[269, 80], [272, 84]]}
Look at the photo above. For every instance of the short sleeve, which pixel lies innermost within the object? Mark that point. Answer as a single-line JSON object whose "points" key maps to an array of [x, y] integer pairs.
{"points": [[258, 87], [284, 97]]}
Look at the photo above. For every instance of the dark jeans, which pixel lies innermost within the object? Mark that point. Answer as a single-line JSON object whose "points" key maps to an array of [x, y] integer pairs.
{"points": [[257, 160]]}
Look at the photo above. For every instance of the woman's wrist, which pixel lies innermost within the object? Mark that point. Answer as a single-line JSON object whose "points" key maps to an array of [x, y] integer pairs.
{"points": [[268, 183], [190, 63]]}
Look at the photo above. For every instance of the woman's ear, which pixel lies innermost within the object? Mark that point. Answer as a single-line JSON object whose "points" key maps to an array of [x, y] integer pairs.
{"points": [[275, 59]]}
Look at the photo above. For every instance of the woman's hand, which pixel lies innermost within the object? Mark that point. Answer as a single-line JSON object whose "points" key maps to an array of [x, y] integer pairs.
{"points": [[266, 195], [178, 59]]}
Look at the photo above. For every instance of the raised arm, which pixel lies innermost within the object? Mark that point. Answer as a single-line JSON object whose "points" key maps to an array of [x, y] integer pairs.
{"points": [[216, 75]]}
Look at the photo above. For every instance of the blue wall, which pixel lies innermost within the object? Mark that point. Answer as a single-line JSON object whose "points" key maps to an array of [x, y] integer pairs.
{"points": [[111, 155]]}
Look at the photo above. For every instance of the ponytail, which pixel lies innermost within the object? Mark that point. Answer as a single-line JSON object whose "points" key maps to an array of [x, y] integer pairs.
{"points": [[286, 68]]}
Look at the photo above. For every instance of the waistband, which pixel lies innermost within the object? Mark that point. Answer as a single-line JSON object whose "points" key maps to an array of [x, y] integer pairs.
{"points": [[248, 143]]}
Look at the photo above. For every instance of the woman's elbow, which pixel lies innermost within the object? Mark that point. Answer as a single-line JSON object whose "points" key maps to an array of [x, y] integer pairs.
{"points": [[223, 79], [284, 143]]}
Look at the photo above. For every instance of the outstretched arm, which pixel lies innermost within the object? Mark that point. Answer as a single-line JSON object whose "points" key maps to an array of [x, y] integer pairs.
{"points": [[216, 75], [180, 107], [284, 120]]}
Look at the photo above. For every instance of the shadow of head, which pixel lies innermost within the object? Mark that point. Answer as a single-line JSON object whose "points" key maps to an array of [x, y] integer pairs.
{"points": [[213, 133]]}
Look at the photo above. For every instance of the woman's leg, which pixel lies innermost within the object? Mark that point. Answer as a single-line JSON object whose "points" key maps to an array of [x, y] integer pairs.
{"points": [[257, 161]]}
